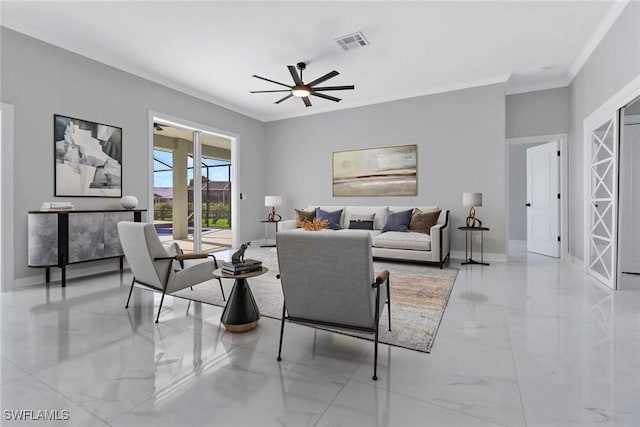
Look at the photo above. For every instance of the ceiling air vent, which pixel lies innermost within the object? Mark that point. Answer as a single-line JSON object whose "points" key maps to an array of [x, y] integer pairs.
{"points": [[352, 41]]}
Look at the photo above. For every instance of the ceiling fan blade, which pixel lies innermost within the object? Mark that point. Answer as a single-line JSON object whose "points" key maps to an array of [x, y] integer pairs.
{"points": [[269, 91], [306, 101], [294, 75], [320, 89], [283, 99], [272, 81], [322, 95], [326, 77]]}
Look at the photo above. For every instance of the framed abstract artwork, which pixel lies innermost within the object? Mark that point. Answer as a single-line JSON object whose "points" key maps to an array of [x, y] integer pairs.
{"points": [[386, 171], [88, 158]]}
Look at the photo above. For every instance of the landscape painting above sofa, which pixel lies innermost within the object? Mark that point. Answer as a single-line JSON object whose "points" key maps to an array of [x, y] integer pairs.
{"points": [[386, 171]]}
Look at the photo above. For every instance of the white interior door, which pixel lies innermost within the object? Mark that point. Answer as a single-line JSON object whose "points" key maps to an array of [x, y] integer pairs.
{"points": [[602, 210], [629, 231], [543, 204]]}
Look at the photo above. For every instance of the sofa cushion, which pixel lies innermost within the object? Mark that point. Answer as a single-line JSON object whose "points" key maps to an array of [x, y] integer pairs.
{"points": [[403, 240], [372, 233], [398, 221], [423, 221], [332, 217]]}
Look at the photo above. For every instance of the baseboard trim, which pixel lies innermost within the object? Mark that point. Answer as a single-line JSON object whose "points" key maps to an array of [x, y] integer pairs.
{"points": [[516, 247], [73, 272], [578, 263], [488, 256]]}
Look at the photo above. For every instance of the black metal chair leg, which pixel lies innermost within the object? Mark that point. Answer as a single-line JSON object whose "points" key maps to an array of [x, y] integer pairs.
{"points": [[221, 289], [160, 308], [130, 292], [281, 334], [389, 303], [215, 263], [375, 352]]}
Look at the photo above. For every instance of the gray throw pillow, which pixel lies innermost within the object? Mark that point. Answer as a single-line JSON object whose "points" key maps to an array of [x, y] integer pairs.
{"points": [[332, 217], [398, 221]]}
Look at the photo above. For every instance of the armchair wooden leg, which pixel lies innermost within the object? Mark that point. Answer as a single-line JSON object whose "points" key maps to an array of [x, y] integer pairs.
{"points": [[130, 292], [160, 308], [281, 333]]}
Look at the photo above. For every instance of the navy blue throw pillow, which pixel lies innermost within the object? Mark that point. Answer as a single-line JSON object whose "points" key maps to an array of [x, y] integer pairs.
{"points": [[332, 217], [398, 221], [360, 225]]}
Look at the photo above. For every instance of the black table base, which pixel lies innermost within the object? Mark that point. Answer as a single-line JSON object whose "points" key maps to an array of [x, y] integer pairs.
{"points": [[241, 313], [473, 261]]}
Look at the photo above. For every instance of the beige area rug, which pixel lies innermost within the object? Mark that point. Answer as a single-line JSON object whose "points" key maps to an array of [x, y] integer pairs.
{"points": [[419, 296]]}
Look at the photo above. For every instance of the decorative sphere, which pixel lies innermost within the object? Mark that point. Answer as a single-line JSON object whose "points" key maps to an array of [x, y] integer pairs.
{"points": [[129, 202]]}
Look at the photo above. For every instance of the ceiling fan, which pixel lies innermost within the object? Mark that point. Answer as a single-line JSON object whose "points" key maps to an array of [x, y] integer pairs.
{"points": [[303, 90]]}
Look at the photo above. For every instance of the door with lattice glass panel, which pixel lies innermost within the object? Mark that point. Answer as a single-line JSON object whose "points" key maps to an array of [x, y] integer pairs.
{"points": [[602, 202]]}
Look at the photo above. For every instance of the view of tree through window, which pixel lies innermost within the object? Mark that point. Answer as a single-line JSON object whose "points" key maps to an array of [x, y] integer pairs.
{"points": [[216, 189]]}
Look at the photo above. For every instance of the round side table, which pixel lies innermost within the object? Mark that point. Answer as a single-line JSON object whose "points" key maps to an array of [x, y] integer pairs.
{"points": [[241, 313]]}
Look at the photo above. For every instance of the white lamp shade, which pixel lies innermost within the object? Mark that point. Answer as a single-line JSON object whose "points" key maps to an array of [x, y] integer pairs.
{"points": [[272, 200], [471, 199]]}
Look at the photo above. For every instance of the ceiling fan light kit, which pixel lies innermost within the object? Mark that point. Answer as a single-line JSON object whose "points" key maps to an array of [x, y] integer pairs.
{"points": [[302, 90]]}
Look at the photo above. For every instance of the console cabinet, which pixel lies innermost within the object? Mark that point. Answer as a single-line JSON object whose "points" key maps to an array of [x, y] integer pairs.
{"points": [[60, 238]]}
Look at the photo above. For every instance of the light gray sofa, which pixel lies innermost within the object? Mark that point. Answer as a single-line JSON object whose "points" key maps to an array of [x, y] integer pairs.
{"points": [[405, 246]]}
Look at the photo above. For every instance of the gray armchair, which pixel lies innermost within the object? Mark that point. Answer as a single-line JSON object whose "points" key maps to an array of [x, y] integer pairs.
{"points": [[155, 267], [328, 281]]}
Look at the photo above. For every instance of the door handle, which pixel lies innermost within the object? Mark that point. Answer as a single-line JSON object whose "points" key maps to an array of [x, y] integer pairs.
{"points": [[528, 205]]}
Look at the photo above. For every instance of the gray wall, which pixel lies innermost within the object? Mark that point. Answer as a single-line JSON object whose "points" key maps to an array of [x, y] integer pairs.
{"points": [[543, 112], [458, 135], [41, 80], [613, 64]]}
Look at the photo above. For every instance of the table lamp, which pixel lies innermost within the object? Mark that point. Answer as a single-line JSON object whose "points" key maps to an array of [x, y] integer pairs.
{"points": [[472, 200], [273, 201]]}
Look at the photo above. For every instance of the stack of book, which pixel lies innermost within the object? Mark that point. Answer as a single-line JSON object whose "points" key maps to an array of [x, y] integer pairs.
{"points": [[247, 266], [56, 206]]}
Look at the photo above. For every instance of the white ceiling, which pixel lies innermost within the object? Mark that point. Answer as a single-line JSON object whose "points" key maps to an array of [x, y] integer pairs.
{"points": [[211, 49]]}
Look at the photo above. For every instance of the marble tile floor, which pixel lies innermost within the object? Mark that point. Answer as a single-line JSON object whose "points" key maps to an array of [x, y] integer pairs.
{"points": [[531, 342]]}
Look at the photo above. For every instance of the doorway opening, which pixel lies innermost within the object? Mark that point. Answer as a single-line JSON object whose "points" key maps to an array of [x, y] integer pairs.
{"points": [[606, 204], [536, 217], [192, 178], [629, 196], [6, 198]]}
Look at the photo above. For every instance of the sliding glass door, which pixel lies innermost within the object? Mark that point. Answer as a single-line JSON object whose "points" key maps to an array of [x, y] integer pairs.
{"points": [[192, 188]]}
